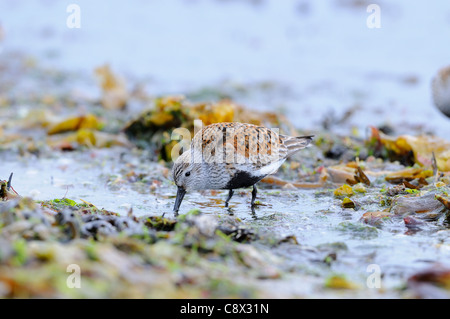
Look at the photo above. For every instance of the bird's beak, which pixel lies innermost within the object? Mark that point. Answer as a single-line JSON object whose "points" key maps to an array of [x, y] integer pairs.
{"points": [[180, 195], [8, 186]]}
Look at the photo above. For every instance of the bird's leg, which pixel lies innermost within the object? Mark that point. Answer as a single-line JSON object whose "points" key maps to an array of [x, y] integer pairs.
{"points": [[230, 194], [8, 186], [254, 213], [254, 192]]}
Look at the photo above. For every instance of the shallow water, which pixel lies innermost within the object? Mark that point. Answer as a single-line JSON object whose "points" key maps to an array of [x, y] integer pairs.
{"points": [[315, 218], [305, 58]]}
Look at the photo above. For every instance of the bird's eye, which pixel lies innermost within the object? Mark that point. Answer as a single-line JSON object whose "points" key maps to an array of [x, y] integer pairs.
{"points": [[187, 174]]}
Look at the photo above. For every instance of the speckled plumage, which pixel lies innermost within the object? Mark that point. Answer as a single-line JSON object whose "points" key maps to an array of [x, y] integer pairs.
{"points": [[232, 155]]}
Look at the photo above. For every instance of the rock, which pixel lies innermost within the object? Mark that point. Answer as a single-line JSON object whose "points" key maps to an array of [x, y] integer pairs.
{"points": [[96, 228], [344, 190], [424, 207], [375, 218], [433, 282]]}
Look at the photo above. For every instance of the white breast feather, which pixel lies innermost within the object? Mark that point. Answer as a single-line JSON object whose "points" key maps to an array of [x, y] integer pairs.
{"points": [[271, 168]]}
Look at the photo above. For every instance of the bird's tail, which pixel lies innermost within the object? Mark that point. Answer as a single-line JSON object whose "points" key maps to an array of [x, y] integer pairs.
{"points": [[295, 144]]}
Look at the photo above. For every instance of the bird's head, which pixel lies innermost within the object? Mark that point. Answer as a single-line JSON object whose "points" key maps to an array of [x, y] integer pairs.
{"points": [[186, 175]]}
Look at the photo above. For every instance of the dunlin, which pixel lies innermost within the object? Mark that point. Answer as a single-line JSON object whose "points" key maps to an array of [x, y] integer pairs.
{"points": [[230, 156], [441, 90]]}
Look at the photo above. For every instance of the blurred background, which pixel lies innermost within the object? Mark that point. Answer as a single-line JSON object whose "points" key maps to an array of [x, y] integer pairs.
{"points": [[90, 92], [317, 61]]}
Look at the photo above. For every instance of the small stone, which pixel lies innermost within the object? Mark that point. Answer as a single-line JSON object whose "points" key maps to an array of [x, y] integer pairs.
{"points": [[344, 190], [348, 203]]}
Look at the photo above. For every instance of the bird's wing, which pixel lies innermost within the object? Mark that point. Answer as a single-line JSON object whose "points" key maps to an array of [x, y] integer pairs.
{"points": [[240, 143], [295, 144]]}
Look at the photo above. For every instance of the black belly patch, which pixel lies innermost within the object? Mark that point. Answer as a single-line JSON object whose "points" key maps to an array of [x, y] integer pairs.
{"points": [[242, 179]]}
